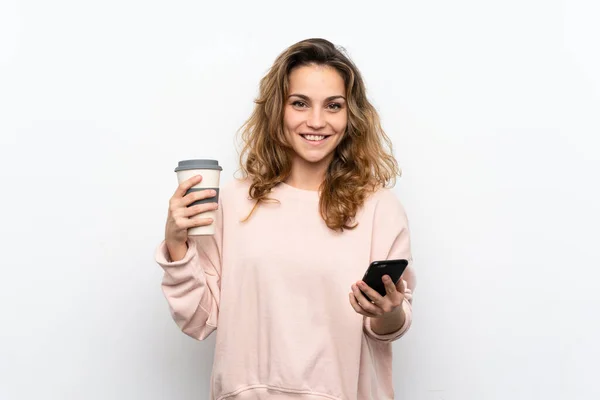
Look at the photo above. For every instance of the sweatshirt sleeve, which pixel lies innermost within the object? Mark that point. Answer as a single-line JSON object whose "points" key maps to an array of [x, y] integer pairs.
{"points": [[391, 240], [192, 285]]}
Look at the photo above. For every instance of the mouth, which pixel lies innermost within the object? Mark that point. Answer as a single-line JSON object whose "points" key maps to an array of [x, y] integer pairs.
{"points": [[314, 139]]}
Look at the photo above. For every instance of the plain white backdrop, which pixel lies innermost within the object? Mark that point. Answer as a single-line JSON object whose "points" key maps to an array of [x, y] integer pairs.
{"points": [[493, 108]]}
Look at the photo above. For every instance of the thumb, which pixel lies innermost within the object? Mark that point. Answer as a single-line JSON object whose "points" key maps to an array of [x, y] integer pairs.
{"points": [[400, 286]]}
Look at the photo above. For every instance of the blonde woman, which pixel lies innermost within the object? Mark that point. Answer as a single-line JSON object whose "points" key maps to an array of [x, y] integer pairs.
{"points": [[280, 279]]}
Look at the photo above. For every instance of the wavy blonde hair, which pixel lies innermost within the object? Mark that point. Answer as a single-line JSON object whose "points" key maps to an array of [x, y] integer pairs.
{"points": [[363, 161]]}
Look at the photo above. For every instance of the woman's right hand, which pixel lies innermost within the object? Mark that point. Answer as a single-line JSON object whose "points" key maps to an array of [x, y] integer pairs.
{"points": [[181, 217]]}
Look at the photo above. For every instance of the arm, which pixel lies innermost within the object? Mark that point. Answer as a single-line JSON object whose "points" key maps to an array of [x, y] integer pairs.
{"points": [[191, 284], [391, 240]]}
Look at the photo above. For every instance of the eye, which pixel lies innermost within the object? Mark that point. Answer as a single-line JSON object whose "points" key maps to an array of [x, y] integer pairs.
{"points": [[299, 104], [335, 106]]}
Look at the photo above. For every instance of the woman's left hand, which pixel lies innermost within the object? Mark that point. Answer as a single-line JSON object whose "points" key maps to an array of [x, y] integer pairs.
{"points": [[380, 306]]}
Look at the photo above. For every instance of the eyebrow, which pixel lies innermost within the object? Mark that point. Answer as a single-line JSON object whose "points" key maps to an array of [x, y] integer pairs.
{"points": [[330, 98]]}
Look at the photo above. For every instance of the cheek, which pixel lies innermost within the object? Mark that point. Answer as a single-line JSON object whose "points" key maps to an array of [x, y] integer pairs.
{"points": [[341, 123], [291, 119]]}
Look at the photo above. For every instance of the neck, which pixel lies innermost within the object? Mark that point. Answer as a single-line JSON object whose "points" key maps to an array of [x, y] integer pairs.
{"points": [[306, 175]]}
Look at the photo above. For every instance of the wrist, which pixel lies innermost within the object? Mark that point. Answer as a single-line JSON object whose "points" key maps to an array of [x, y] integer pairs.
{"points": [[177, 250], [389, 322]]}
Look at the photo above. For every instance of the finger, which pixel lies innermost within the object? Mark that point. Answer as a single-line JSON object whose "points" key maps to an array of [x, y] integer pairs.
{"points": [[358, 308], [390, 288], [365, 303], [198, 195], [187, 185], [198, 209], [371, 293], [188, 223]]}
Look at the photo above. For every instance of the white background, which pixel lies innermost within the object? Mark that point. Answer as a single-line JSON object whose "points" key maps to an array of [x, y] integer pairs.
{"points": [[493, 108]]}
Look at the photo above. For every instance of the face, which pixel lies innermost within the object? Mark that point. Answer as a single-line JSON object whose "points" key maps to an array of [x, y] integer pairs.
{"points": [[315, 115]]}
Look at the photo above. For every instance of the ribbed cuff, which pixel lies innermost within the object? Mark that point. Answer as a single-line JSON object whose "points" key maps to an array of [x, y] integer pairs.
{"points": [[164, 259]]}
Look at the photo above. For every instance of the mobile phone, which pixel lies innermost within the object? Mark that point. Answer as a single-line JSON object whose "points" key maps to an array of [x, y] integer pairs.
{"points": [[393, 268]]}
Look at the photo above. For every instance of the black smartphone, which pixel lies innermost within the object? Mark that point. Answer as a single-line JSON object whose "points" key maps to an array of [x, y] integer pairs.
{"points": [[393, 268]]}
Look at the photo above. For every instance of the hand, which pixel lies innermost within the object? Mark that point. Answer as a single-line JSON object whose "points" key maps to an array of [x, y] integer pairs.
{"points": [[181, 217], [380, 306]]}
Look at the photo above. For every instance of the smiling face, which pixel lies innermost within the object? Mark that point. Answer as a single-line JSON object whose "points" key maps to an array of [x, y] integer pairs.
{"points": [[315, 115]]}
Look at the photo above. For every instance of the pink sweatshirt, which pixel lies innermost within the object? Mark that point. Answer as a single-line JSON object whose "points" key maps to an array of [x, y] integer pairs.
{"points": [[275, 288]]}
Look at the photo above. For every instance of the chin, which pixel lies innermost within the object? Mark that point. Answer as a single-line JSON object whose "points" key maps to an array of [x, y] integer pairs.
{"points": [[315, 158]]}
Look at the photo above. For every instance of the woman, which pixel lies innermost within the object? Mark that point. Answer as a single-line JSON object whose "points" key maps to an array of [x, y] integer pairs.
{"points": [[278, 281]]}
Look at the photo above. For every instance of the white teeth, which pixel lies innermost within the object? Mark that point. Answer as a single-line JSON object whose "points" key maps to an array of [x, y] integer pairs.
{"points": [[314, 138]]}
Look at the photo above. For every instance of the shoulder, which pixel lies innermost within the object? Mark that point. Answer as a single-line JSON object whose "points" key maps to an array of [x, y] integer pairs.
{"points": [[235, 187], [235, 195], [385, 205], [384, 198]]}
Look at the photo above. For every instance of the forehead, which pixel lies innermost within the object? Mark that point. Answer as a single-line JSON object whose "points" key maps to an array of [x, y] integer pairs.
{"points": [[317, 81]]}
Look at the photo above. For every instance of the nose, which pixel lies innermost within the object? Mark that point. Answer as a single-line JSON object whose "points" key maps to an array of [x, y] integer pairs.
{"points": [[316, 119]]}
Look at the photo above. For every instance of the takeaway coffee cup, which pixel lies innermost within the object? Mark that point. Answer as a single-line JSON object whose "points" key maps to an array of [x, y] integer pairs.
{"points": [[211, 172]]}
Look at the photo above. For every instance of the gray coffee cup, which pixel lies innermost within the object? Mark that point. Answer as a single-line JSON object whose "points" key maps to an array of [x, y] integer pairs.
{"points": [[211, 173]]}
